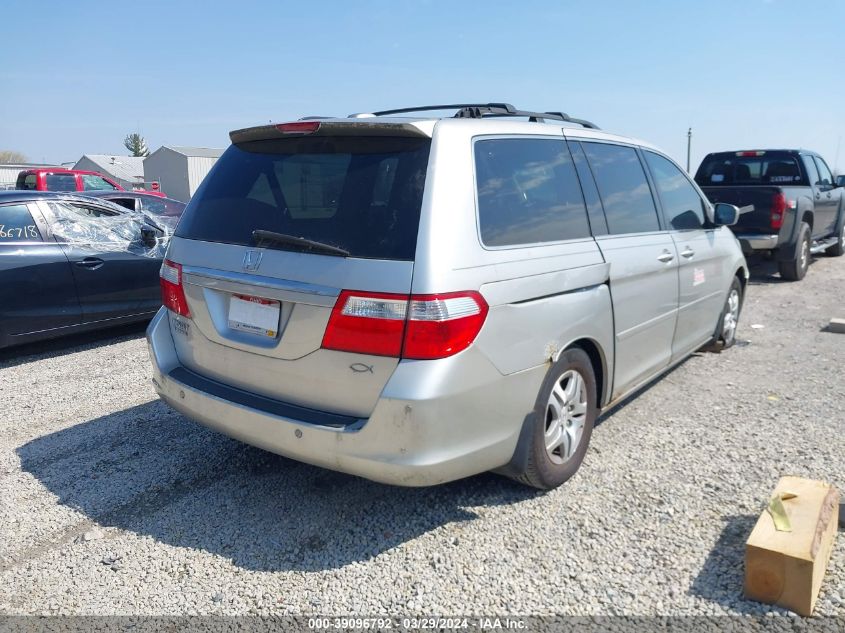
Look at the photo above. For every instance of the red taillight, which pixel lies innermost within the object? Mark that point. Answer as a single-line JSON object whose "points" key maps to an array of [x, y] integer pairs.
{"points": [[778, 210], [299, 127], [367, 323], [172, 292], [415, 327], [443, 325]]}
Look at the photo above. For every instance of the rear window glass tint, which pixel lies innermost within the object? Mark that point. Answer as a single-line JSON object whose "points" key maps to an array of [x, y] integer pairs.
{"points": [[60, 182], [361, 194], [623, 188], [528, 192], [770, 168], [17, 225]]}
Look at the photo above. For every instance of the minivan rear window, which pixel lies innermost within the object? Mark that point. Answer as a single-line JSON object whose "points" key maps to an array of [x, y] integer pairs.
{"points": [[359, 194]]}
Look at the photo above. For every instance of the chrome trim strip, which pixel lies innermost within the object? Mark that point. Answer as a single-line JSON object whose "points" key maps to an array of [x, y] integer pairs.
{"points": [[258, 280]]}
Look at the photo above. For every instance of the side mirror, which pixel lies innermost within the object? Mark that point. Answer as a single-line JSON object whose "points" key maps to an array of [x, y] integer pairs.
{"points": [[725, 214]]}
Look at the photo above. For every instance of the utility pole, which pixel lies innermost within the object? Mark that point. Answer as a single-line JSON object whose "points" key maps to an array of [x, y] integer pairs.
{"points": [[689, 147]]}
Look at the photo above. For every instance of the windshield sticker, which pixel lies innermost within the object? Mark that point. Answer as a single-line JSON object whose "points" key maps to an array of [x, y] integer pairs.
{"points": [[698, 277], [784, 178], [717, 177]]}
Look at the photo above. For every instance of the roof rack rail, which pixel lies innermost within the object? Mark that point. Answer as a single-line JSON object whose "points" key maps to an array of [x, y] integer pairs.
{"points": [[481, 110]]}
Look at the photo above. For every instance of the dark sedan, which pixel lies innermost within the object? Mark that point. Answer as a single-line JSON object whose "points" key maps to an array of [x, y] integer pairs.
{"points": [[70, 263], [166, 211]]}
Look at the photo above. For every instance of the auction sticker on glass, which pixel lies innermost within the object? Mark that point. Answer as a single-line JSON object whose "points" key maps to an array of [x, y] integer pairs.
{"points": [[254, 314]]}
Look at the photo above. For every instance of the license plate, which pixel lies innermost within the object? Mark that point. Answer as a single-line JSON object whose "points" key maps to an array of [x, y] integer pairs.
{"points": [[254, 314]]}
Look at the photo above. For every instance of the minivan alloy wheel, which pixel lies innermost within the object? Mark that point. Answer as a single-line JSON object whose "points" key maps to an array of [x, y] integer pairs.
{"points": [[566, 413], [731, 316]]}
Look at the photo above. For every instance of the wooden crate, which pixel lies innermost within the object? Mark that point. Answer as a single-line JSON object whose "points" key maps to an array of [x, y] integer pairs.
{"points": [[787, 568]]}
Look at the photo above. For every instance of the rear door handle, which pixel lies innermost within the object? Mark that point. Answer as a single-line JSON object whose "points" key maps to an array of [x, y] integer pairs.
{"points": [[665, 257], [91, 263], [688, 253]]}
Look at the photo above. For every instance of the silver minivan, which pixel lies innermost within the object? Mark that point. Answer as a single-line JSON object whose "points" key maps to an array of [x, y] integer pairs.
{"points": [[416, 299]]}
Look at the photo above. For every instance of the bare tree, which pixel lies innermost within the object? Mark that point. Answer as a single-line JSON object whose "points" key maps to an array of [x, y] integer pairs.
{"points": [[136, 144], [11, 156]]}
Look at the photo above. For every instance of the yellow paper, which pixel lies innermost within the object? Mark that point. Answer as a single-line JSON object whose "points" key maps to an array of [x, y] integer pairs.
{"points": [[778, 511]]}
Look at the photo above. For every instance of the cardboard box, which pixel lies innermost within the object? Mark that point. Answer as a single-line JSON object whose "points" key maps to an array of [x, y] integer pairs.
{"points": [[787, 568]]}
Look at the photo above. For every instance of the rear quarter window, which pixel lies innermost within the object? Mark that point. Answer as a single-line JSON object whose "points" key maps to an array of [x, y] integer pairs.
{"points": [[528, 192], [28, 182], [17, 225], [361, 194]]}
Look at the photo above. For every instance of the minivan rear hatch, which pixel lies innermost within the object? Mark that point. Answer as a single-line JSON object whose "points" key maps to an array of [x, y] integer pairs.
{"points": [[289, 217]]}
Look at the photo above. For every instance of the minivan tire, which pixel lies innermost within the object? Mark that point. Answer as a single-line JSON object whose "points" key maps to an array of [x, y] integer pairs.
{"points": [[794, 269], [547, 469], [725, 335]]}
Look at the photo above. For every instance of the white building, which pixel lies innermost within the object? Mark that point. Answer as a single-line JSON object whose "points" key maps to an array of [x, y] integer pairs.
{"points": [[180, 170], [127, 171], [9, 172]]}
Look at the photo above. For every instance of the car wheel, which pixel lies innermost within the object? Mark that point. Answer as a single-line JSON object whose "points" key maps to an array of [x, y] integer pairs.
{"points": [[838, 249], [795, 269], [562, 422], [725, 334]]}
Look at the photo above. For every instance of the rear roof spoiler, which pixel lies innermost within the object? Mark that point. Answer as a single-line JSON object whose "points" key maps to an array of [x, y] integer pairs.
{"points": [[328, 127]]}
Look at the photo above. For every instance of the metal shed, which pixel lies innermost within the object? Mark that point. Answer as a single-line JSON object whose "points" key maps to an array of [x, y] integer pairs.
{"points": [[127, 171], [180, 170]]}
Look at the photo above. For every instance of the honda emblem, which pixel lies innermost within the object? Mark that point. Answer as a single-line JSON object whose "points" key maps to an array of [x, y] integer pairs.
{"points": [[252, 260]]}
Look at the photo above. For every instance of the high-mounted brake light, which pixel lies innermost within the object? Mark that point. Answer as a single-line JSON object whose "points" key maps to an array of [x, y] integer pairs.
{"points": [[172, 291], [416, 327], [778, 210], [753, 153], [299, 127]]}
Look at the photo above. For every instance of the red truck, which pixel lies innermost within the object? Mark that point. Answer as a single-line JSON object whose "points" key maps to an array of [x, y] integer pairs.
{"points": [[58, 179]]}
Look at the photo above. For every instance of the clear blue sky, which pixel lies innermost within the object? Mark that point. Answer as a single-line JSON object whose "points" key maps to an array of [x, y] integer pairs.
{"points": [[78, 76]]}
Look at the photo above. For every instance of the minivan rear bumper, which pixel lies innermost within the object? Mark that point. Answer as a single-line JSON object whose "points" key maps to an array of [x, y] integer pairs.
{"points": [[435, 421]]}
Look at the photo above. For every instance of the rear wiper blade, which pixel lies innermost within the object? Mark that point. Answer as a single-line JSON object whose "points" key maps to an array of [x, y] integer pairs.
{"points": [[262, 237]]}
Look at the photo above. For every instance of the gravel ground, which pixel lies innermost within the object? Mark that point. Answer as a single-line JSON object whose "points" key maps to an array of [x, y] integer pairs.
{"points": [[111, 503]]}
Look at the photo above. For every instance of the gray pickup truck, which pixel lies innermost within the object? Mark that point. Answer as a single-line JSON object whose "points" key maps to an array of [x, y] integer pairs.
{"points": [[790, 204]]}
